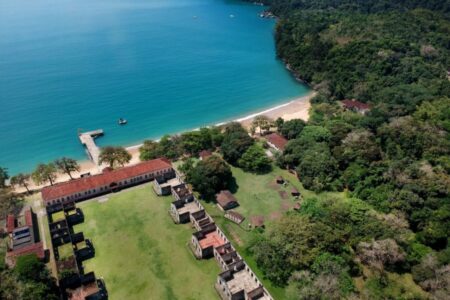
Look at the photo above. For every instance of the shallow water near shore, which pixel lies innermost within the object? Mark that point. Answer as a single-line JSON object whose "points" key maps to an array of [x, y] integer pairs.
{"points": [[164, 65]]}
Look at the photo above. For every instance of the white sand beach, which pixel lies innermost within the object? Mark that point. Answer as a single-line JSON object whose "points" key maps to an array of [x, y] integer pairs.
{"points": [[294, 109]]}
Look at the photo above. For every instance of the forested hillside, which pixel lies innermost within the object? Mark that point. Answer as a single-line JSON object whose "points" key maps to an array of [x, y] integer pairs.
{"points": [[390, 239]]}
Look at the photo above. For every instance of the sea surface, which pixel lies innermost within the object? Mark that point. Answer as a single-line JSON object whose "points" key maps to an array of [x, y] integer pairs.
{"points": [[164, 65]]}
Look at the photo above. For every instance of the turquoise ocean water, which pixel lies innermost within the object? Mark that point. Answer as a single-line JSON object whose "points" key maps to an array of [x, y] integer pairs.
{"points": [[70, 64]]}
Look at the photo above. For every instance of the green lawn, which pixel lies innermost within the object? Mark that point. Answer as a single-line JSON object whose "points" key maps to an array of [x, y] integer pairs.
{"points": [[140, 252], [259, 195]]}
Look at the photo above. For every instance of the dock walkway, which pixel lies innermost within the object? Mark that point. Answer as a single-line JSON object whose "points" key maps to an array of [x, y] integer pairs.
{"points": [[87, 139]]}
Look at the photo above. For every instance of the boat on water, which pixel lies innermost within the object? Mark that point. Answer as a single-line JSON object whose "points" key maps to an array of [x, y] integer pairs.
{"points": [[122, 121]]}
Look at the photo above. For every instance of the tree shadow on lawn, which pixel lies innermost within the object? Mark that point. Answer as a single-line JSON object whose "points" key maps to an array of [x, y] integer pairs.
{"points": [[233, 186]]}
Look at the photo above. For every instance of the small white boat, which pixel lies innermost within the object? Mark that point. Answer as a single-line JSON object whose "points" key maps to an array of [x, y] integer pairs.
{"points": [[122, 121]]}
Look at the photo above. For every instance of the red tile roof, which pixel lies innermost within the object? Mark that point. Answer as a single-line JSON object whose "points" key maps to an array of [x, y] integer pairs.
{"points": [[29, 218], [211, 239], [35, 248], [87, 183], [10, 223], [277, 140], [350, 104]]}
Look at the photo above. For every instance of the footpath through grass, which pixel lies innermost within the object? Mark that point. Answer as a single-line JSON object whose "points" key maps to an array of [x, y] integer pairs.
{"points": [[140, 252]]}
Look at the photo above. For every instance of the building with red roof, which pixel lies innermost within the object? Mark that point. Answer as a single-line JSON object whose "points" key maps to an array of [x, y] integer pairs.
{"points": [[276, 141], [23, 237], [113, 180], [28, 218], [35, 248], [206, 240], [10, 223], [356, 106]]}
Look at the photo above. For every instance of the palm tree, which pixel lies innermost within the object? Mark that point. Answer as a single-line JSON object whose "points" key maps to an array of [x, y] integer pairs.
{"points": [[67, 165], [44, 173], [112, 155], [21, 180]]}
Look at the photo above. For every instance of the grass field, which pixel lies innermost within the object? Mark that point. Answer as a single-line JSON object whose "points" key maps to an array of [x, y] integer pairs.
{"points": [[260, 195], [140, 252]]}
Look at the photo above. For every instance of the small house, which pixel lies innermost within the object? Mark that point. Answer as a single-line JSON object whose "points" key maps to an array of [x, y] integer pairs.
{"points": [[226, 200], [276, 141], [24, 237], [356, 106], [297, 206]]}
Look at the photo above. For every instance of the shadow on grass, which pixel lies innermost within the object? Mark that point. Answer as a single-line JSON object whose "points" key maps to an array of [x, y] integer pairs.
{"points": [[233, 186]]}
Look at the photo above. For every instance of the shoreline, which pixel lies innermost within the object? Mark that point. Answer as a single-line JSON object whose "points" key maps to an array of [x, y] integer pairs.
{"points": [[297, 108], [300, 106]]}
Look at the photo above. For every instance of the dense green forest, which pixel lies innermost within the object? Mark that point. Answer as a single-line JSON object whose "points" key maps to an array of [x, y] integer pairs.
{"points": [[393, 161]]}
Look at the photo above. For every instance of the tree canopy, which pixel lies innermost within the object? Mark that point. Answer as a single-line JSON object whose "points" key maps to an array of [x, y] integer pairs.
{"points": [[235, 142], [291, 129], [393, 55], [255, 160], [67, 165], [21, 179], [210, 176], [114, 156], [29, 280], [45, 173]]}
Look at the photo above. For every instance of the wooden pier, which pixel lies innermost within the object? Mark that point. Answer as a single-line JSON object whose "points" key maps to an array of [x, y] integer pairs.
{"points": [[87, 139]]}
